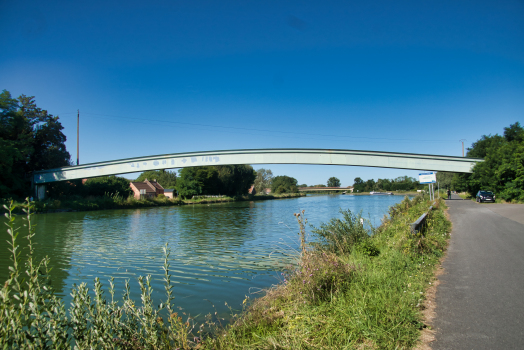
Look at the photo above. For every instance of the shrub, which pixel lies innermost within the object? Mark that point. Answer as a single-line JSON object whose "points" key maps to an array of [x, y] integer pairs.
{"points": [[33, 317], [339, 236]]}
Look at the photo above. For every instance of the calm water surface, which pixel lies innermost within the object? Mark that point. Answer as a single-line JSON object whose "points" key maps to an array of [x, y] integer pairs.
{"points": [[220, 252]]}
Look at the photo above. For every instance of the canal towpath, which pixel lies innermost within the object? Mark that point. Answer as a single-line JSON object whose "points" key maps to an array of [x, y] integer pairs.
{"points": [[479, 298]]}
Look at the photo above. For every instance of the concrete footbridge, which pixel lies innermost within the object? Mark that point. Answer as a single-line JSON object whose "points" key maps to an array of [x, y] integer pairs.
{"points": [[424, 162]]}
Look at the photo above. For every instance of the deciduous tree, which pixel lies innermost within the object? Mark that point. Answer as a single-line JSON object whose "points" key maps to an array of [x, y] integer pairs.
{"points": [[166, 179], [333, 182], [263, 180], [30, 139], [284, 184], [107, 185], [502, 170]]}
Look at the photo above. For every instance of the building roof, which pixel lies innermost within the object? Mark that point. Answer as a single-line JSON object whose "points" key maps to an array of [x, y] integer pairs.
{"points": [[144, 186], [156, 184]]}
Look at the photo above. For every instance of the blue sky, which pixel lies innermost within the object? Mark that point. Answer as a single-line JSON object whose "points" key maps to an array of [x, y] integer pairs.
{"points": [[174, 76]]}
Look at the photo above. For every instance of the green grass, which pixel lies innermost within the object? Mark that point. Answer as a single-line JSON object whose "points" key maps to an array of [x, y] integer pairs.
{"points": [[346, 295], [115, 201], [356, 288]]}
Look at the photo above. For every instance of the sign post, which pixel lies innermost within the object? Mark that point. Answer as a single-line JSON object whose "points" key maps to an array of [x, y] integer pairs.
{"points": [[428, 178]]}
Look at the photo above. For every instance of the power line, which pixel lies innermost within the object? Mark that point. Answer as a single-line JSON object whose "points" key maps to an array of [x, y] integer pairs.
{"points": [[294, 133]]}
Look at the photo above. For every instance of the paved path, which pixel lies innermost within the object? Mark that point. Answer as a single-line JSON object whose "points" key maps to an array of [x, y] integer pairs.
{"points": [[480, 300]]}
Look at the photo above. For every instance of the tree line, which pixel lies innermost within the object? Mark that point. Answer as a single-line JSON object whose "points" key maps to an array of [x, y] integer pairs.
{"points": [[401, 183], [502, 170]]}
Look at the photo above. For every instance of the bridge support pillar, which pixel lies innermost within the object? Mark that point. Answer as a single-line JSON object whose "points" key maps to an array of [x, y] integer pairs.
{"points": [[40, 192]]}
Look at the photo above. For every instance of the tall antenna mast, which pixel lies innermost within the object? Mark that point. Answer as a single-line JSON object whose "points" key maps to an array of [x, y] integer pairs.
{"points": [[462, 146], [78, 138]]}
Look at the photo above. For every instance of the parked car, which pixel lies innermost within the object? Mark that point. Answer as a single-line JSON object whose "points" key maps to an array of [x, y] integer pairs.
{"points": [[485, 196]]}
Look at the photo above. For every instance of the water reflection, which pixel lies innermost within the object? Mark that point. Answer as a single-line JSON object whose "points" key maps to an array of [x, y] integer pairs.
{"points": [[220, 252]]}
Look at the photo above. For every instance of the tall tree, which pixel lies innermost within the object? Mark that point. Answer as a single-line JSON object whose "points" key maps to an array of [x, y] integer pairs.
{"points": [[107, 185], [514, 132], [166, 179], [231, 180], [235, 180], [502, 170], [284, 184], [30, 139], [445, 180], [358, 185], [263, 180], [333, 182]]}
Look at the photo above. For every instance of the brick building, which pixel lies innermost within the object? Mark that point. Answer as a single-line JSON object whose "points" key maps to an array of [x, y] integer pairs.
{"points": [[146, 189]]}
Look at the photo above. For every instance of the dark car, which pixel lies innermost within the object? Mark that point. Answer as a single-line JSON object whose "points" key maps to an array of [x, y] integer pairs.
{"points": [[485, 196]]}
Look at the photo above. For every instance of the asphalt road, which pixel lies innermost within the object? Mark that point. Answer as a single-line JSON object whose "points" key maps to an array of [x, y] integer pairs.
{"points": [[480, 299]]}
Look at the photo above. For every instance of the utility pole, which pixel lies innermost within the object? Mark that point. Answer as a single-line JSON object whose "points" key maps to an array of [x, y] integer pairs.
{"points": [[462, 146], [78, 138]]}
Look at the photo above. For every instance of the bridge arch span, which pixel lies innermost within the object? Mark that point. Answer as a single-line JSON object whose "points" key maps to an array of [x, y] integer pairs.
{"points": [[260, 156]]}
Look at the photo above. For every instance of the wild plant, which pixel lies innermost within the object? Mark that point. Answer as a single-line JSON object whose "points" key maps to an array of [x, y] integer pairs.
{"points": [[302, 222], [339, 236], [33, 317]]}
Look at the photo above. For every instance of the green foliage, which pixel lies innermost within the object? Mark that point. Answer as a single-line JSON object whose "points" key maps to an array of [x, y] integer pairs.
{"points": [[284, 184], [30, 139], [327, 301], [230, 180], [367, 247], [401, 183], [333, 182], [349, 300], [502, 170], [108, 201], [445, 180], [107, 185], [235, 180], [33, 317], [189, 183], [263, 180], [167, 179], [340, 235]]}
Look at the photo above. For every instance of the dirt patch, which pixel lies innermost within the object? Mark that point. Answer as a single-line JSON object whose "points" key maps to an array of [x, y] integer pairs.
{"points": [[428, 313], [428, 308]]}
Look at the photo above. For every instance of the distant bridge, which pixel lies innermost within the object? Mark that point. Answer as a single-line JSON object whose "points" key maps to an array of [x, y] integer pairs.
{"points": [[259, 156], [321, 189]]}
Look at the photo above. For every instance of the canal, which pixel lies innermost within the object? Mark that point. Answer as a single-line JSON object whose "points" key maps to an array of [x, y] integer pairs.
{"points": [[219, 252]]}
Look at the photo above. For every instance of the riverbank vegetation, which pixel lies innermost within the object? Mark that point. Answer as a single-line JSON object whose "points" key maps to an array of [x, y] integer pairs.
{"points": [[502, 170], [115, 201], [229, 180], [284, 184], [358, 287], [353, 286], [401, 183]]}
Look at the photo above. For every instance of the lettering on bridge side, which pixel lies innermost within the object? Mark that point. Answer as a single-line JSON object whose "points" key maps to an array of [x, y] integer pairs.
{"points": [[205, 159]]}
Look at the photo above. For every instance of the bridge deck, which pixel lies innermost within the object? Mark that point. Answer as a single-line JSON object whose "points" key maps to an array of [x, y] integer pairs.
{"points": [[260, 156]]}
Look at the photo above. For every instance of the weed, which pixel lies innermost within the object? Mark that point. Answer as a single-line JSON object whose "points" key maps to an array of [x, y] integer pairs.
{"points": [[356, 288]]}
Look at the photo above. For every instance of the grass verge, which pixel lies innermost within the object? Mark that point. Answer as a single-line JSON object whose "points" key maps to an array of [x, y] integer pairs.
{"points": [[356, 287], [351, 290]]}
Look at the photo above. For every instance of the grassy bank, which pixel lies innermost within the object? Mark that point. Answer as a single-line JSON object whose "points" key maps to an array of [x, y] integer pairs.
{"points": [[396, 193], [357, 287], [351, 291], [78, 203]]}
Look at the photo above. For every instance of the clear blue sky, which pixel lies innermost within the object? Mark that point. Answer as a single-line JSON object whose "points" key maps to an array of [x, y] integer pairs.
{"points": [[156, 77]]}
